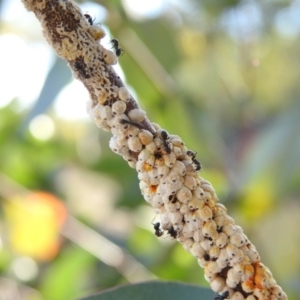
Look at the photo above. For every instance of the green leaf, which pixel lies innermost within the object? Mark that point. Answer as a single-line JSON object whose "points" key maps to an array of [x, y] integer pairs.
{"points": [[155, 290]]}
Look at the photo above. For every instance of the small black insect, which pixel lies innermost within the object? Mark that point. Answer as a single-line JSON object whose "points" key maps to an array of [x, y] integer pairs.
{"points": [[225, 295], [135, 124], [191, 154], [196, 163], [158, 232], [172, 232], [115, 43], [165, 137], [89, 19]]}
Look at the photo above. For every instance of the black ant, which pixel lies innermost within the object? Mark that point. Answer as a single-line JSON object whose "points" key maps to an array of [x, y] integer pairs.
{"points": [[158, 232], [165, 136], [172, 232], [115, 43], [196, 162], [89, 19], [225, 295]]}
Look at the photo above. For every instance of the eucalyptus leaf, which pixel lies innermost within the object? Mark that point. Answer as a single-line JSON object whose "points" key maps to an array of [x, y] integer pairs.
{"points": [[155, 290]]}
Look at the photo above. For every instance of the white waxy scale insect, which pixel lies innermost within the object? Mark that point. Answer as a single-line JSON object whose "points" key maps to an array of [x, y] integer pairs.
{"points": [[156, 201], [144, 155], [118, 108], [134, 144], [202, 262], [137, 115], [209, 228], [206, 244], [195, 204], [205, 213], [102, 124], [176, 142], [133, 132], [222, 240], [169, 159], [190, 182], [253, 254], [163, 170], [153, 176], [143, 176], [184, 208], [145, 137], [175, 217], [187, 244], [109, 57], [177, 151], [233, 277], [198, 236], [199, 193], [124, 94], [179, 168], [197, 250], [229, 229], [173, 184], [209, 276], [212, 267], [217, 284], [237, 239], [186, 232], [105, 112], [171, 207], [184, 194], [208, 188], [151, 147], [214, 252], [97, 32], [132, 164], [113, 144]]}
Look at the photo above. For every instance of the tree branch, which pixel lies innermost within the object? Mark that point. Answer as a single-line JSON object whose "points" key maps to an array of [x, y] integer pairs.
{"points": [[168, 172]]}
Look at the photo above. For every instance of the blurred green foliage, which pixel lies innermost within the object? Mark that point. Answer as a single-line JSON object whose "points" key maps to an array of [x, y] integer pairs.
{"points": [[224, 75]]}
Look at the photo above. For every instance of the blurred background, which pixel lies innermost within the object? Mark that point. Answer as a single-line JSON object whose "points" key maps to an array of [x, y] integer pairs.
{"points": [[224, 75]]}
